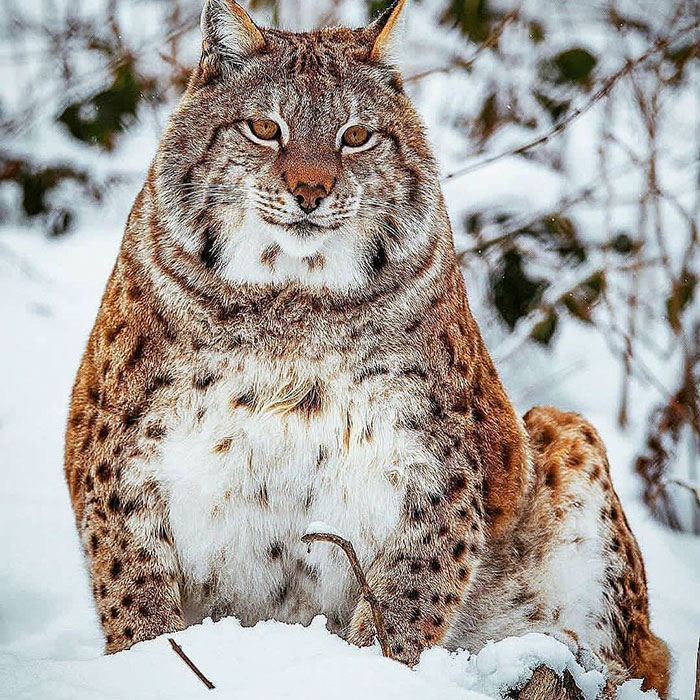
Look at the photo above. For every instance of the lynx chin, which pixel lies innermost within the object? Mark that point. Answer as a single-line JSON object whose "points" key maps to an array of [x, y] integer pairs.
{"points": [[285, 337]]}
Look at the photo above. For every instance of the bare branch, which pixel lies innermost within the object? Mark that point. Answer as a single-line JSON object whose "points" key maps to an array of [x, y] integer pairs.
{"points": [[466, 63], [367, 593], [178, 650], [560, 126]]}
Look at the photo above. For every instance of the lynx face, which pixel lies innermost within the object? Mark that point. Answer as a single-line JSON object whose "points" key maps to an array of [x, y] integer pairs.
{"points": [[304, 152]]}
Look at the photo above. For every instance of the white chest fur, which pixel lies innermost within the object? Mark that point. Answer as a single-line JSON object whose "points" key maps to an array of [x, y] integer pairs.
{"points": [[251, 459]]}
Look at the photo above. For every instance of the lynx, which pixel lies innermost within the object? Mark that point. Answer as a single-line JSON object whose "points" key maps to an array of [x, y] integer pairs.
{"points": [[285, 337]]}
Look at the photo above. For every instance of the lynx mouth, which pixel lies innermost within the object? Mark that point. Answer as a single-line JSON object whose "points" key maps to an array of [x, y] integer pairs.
{"points": [[301, 239]]}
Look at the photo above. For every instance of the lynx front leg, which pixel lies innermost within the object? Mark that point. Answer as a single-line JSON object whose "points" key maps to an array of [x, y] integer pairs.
{"points": [[132, 562], [425, 566]]}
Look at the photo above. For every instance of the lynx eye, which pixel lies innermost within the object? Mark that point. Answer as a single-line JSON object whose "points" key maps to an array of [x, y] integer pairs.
{"points": [[356, 136], [265, 129]]}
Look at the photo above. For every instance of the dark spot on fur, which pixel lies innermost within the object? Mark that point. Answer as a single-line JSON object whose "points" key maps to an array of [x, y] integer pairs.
{"points": [[94, 543], [415, 615], [132, 417], [114, 613], [417, 514], [378, 260], [413, 594], [130, 507], [397, 649], [434, 565], [163, 533], [223, 446], [127, 600], [455, 486], [113, 332], [128, 633], [438, 620], [103, 471], [114, 503], [144, 611], [203, 381], [312, 403], [546, 436], [159, 382], [551, 477], [282, 594], [247, 399], [137, 352], [275, 550], [435, 598], [462, 573], [155, 430], [263, 497], [103, 432], [415, 567], [116, 568], [209, 255], [450, 599], [140, 580], [459, 549]]}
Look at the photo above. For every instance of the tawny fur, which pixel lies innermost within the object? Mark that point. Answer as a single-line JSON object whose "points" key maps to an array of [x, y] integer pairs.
{"points": [[253, 368]]}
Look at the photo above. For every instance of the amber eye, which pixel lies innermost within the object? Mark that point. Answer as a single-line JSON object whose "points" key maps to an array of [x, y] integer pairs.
{"points": [[356, 136], [265, 129]]}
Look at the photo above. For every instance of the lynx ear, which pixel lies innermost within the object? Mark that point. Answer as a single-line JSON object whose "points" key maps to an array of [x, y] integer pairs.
{"points": [[386, 31], [228, 30]]}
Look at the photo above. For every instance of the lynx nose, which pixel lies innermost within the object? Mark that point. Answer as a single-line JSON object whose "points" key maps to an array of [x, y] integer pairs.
{"points": [[309, 196]]}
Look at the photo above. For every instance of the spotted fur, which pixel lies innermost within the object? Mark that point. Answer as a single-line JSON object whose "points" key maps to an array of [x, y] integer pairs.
{"points": [[256, 365]]}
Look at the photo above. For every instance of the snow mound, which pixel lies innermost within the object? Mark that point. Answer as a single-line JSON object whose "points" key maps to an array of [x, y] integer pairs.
{"points": [[274, 660]]}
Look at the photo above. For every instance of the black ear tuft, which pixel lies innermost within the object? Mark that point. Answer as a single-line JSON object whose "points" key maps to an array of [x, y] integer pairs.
{"points": [[385, 33], [229, 32]]}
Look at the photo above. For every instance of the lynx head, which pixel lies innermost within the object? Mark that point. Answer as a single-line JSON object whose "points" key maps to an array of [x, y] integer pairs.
{"points": [[298, 158]]}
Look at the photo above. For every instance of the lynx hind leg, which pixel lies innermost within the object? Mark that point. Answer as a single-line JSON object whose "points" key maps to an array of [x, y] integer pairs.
{"points": [[593, 570]]}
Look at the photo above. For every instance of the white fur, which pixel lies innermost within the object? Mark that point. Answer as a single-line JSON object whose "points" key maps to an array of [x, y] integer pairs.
{"points": [[245, 243], [221, 531]]}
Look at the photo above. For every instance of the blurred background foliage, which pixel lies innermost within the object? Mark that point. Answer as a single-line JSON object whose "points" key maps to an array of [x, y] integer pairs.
{"points": [[631, 276]]}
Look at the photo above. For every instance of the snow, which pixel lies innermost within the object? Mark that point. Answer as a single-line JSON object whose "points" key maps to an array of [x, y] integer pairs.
{"points": [[318, 526], [273, 660]]}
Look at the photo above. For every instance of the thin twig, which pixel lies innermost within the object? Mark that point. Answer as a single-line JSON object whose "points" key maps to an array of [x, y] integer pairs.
{"points": [[367, 593], [605, 88], [178, 650], [466, 63], [694, 490]]}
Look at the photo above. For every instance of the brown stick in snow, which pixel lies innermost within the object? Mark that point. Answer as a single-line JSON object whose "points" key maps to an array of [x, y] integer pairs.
{"points": [[178, 650], [367, 593]]}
